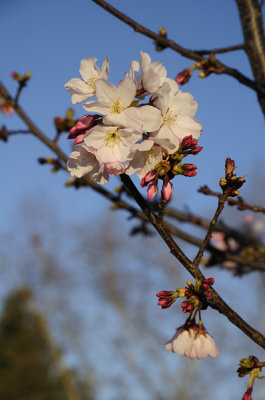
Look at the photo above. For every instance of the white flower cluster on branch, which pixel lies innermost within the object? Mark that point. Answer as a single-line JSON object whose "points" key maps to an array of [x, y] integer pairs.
{"points": [[137, 126]]}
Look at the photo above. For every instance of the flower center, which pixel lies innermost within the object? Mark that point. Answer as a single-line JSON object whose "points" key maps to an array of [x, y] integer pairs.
{"points": [[91, 82], [112, 137], [116, 107], [169, 118]]}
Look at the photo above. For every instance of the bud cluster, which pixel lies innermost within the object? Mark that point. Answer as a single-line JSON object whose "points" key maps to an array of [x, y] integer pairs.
{"points": [[250, 366], [169, 167], [230, 184], [64, 124], [83, 125], [207, 66], [192, 293], [22, 80]]}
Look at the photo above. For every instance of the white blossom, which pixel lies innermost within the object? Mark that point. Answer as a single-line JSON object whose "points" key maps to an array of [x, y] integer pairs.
{"points": [[85, 88], [177, 111], [83, 162], [192, 341]]}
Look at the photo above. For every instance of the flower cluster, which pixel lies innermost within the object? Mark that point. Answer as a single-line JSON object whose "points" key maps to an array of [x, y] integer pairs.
{"points": [[191, 339], [193, 294], [126, 135]]}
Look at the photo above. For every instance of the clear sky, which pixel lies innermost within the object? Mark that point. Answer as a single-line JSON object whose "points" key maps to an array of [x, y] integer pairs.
{"points": [[49, 38]]}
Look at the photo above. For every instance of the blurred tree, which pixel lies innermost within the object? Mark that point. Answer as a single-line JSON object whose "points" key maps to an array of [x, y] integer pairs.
{"points": [[30, 365]]}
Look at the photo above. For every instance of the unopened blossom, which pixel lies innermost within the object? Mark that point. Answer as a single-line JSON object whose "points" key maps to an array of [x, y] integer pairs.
{"points": [[151, 190], [114, 103], [83, 125], [192, 341], [85, 88], [178, 110], [83, 162], [167, 189]]}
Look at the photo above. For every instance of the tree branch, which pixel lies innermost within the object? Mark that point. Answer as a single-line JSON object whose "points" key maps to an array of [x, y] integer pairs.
{"points": [[221, 50], [252, 26], [220, 68], [239, 202]]}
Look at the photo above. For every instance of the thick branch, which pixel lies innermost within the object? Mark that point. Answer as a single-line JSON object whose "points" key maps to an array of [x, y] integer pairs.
{"points": [[252, 26]]}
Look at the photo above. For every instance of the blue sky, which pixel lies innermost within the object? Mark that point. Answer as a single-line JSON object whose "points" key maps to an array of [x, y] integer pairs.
{"points": [[50, 38]]}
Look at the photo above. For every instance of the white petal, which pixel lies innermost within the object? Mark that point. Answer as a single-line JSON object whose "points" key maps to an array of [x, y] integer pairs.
{"points": [[184, 104], [126, 91], [151, 118], [97, 107], [88, 68], [78, 90], [186, 126], [105, 91], [105, 69]]}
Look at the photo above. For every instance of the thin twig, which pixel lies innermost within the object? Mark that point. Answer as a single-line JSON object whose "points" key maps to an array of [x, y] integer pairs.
{"points": [[221, 203], [220, 68], [240, 202], [220, 50]]}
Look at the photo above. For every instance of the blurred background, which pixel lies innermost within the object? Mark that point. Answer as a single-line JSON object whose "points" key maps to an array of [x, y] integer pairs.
{"points": [[79, 319]]}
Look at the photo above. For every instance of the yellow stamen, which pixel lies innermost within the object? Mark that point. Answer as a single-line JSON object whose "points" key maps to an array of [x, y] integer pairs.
{"points": [[112, 137], [116, 107], [91, 82], [169, 118]]}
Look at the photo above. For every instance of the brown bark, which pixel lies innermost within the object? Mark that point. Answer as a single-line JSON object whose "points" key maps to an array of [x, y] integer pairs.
{"points": [[252, 26]]}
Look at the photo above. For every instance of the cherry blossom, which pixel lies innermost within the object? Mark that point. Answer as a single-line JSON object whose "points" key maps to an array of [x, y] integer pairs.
{"points": [[177, 111], [153, 75], [83, 162], [192, 341], [85, 88], [111, 144], [114, 103]]}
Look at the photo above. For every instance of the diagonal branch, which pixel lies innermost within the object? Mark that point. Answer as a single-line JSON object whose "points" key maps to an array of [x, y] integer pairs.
{"points": [[220, 50], [220, 68]]}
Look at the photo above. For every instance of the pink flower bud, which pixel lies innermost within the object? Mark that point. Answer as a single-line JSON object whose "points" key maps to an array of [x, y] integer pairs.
{"points": [[187, 142], [86, 122], [189, 167], [209, 281], [247, 395], [79, 138], [150, 176], [189, 173], [167, 189], [196, 150], [152, 190], [183, 77]]}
